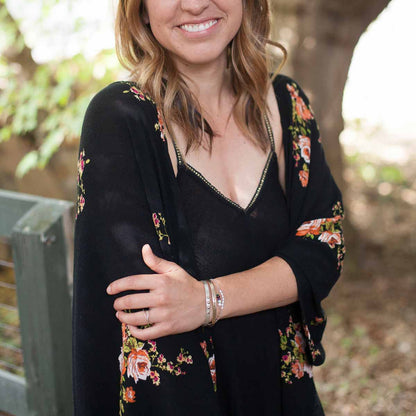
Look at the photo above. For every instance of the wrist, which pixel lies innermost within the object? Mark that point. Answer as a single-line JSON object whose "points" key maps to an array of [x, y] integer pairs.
{"points": [[214, 302]]}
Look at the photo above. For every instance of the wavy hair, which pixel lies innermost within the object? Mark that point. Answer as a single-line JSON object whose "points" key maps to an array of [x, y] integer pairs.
{"points": [[154, 71]]}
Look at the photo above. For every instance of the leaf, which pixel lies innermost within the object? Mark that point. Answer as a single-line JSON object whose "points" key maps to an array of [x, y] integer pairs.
{"points": [[27, 163], [49, 147], [5, 134]]}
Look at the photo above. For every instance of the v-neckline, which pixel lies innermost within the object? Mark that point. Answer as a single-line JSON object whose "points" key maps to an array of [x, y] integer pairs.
{"points": [[259, 187], [254, 198]]}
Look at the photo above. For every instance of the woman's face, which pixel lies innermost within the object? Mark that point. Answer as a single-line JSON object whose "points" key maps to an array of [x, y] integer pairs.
{"points": [[195, 32]]}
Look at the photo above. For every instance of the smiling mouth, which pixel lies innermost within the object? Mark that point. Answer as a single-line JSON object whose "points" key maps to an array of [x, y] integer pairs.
{"points": [[198, 27]]}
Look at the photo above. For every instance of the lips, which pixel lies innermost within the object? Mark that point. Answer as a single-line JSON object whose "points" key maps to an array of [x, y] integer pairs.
{"points": [[198, 27]]}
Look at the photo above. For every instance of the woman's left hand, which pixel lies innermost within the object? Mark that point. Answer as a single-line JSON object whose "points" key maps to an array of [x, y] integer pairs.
{"points": [[176, 299]]}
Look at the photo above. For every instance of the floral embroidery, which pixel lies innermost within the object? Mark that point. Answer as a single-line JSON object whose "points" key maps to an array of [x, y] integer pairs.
{"points": [[313, 350], [327, 230], [82, 162], [304, 177], [211, 360], [160, 225], [300, 128], [141, 96], [159, 125], [294, 363], [129, 395], [139, 360], [138, 94]]}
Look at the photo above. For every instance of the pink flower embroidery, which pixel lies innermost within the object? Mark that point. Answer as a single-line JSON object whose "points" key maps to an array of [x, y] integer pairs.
{"points": [[211, 360], [294, 363], [159, 222], [330, 238], [297, 369], [154, 375], [156, 221], [301, 132], [328, 230], [138, 365], [310, 227]]}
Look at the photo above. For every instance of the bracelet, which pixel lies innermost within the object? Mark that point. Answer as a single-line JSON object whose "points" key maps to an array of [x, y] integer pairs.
{"points": [[207, 303], [219, 302], [213, 302]]}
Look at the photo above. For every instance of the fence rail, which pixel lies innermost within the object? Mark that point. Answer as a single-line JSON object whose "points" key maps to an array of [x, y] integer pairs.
{"points": [[40, 232]]}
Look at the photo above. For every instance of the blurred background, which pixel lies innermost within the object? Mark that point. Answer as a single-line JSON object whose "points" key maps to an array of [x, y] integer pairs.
{"points": [[355, 61]]}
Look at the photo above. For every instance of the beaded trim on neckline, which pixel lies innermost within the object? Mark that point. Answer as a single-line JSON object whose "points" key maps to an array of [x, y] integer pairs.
{"points": [[259, 187]]}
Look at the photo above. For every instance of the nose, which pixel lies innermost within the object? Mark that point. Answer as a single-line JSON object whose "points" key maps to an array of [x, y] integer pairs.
{"points": [[194, 6]]}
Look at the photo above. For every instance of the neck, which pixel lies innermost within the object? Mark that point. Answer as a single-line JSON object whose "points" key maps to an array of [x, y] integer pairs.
{"points": [[211, 84]]}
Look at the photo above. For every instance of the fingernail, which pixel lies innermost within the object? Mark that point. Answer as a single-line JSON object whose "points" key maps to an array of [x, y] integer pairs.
{"points": [[109, 289]]}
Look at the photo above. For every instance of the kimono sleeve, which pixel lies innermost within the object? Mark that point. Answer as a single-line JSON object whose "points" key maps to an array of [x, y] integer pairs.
{"points": [[315, 248], [112, 224]]}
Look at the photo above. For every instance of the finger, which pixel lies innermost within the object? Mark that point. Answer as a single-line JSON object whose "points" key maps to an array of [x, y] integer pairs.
{"points": [[135, 301], [157, 264], [133, 282], [136, 318], [152, 332]]}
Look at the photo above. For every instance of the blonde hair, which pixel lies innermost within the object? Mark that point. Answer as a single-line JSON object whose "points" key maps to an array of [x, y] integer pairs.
{"points": [[154, 71]]}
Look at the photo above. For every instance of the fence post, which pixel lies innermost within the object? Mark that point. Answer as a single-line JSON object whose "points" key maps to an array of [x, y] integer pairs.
{"points": [[40, 242]]}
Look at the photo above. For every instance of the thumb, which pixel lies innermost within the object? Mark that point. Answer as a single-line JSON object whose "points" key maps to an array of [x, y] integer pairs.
{"points": [[157, 264]]}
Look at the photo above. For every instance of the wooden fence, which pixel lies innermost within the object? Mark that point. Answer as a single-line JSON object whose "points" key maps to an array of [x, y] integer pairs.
{"points": [[40, 233]]}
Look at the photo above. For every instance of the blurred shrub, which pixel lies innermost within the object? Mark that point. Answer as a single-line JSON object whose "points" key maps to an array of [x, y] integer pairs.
{"points": [[45, 103]]}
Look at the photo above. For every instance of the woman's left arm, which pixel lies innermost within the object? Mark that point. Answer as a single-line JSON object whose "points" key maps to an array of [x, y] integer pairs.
{"points": [[305, 268], [308, 264]]}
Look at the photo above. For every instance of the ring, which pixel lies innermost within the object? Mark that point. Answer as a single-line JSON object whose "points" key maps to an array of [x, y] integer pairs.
{"points": [[146, 314]]}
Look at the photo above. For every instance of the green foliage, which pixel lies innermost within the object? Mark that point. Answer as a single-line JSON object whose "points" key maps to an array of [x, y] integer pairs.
{"points": [[46, 103], [374, 172]]}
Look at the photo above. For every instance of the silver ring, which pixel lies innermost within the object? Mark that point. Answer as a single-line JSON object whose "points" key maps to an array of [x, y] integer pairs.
{"points": [[146, 314]]}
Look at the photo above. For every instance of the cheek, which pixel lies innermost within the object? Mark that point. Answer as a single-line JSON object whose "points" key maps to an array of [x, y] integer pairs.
{"points": [[159, 32], [236, 17]]}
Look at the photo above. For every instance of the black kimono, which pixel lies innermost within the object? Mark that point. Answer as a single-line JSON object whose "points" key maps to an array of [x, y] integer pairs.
{"points": [[127, 196]]}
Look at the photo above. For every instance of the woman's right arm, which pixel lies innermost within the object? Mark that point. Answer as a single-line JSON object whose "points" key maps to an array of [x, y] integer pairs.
{"points": [[113, 222]]}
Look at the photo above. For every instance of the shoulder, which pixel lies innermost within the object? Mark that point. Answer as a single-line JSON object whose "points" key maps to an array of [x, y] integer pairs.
{"points": [[288, 87], [114, 115], [120, 100]]}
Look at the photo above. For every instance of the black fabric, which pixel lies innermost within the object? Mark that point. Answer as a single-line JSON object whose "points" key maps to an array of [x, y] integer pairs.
{"points": [[128, 196], [247, 354]]}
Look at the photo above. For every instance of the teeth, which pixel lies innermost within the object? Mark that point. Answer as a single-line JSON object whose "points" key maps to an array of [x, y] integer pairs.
{"points": [[199, 27]]}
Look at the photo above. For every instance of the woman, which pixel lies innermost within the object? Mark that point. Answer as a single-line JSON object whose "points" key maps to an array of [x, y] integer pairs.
{"points": [[207, 218]]}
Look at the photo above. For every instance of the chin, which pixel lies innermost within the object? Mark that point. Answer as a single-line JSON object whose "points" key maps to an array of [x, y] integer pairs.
{"points": [[200, 58]]}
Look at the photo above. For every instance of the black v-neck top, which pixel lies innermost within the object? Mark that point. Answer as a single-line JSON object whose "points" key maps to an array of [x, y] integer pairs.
{"points": [[223, 232], [226, 239]]}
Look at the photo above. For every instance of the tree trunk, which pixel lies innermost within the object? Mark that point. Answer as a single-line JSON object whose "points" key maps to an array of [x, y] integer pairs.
{"points": [[321, 36]]}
